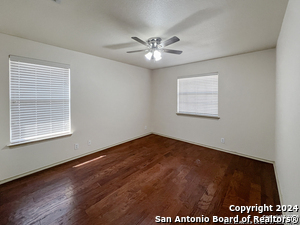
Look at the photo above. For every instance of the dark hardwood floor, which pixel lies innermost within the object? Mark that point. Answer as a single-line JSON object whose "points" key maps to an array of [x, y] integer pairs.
{"points": [[134, 182]]}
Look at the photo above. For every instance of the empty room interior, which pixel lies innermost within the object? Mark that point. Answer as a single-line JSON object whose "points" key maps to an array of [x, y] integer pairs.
{"points": [[146, 111]]}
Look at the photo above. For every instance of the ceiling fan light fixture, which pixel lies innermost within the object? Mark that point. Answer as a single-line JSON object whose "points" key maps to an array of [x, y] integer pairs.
{"points": [[149, 55], [157, 55]]}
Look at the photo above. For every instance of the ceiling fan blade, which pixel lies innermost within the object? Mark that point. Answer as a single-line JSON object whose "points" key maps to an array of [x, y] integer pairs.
{"points": [[137, 51], [173, 51], [140, 41], [170, 41]]}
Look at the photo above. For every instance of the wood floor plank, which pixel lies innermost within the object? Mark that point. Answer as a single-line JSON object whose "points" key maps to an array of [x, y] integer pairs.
{"points": [[134, 182]]}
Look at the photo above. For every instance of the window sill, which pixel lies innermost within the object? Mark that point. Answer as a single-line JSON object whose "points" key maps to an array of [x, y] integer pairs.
{"points": [[198, 115], [37, 140]]}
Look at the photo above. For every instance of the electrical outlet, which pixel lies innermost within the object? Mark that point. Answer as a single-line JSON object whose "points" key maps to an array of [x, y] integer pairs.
{"points": [[223, 140], [89, 142], [145, 127], [76, 146]]}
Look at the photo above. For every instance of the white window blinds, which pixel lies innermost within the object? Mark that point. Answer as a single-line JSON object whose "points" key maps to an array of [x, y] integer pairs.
{"points": [[39, 100], [198, 95]]}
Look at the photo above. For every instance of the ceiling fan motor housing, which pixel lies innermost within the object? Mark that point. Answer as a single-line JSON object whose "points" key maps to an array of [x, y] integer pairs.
{"points": [[154, 42]]}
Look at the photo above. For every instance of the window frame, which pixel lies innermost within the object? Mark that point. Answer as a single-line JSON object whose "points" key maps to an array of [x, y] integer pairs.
{"points": [[40, 63], [197, 114]]}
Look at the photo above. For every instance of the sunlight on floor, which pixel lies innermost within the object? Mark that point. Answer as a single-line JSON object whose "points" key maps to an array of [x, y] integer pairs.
{"points": [[81, 164]]}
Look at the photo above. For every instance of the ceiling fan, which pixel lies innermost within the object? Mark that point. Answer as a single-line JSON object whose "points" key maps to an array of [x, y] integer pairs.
{"points": [[155, 46]]}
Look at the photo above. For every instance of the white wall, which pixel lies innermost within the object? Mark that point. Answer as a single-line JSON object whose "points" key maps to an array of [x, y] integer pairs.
{"points": [[246, 104], [110, 104], [288, 105]]}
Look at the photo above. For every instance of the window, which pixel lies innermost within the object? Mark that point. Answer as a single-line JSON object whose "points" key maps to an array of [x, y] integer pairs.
{"points": [[198, 95], [39, 100]]}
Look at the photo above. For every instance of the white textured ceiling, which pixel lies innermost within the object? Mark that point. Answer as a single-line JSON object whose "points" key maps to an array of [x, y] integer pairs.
{"points": [[207, 28]]}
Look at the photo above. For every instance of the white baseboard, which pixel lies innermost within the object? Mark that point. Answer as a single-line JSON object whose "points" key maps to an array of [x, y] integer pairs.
{"points": [[67, 160], [215, 148], [278, 185]]}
